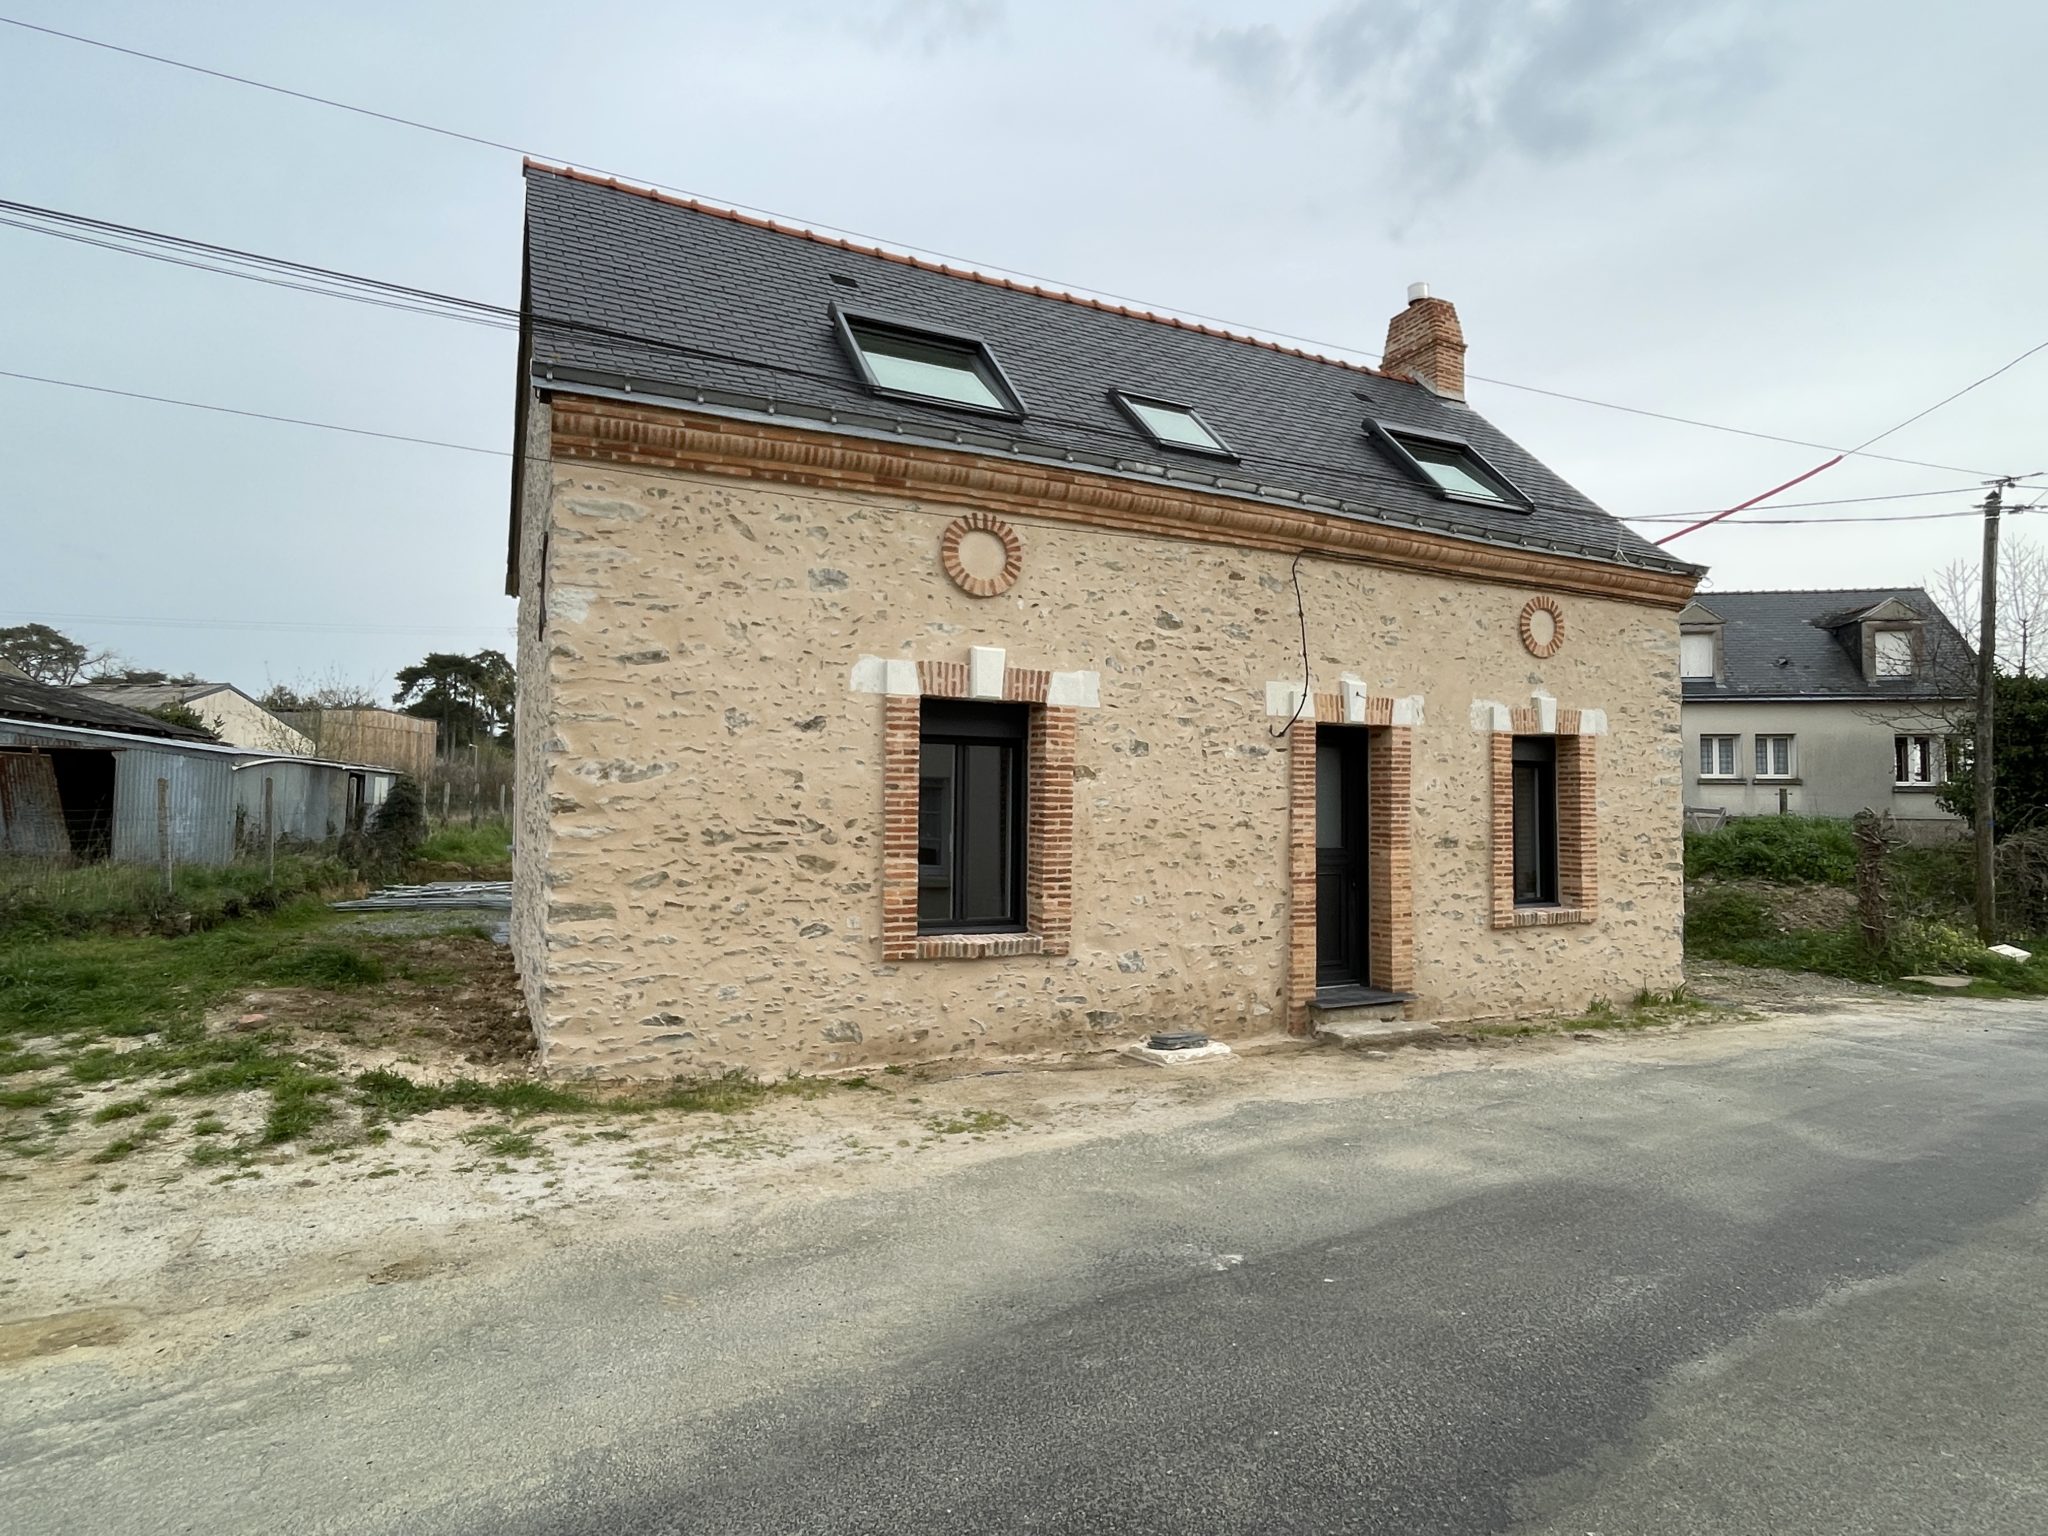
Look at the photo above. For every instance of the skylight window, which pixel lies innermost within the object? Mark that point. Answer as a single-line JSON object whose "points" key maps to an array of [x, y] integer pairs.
{"points": [[1453, 467], [1170, 425], [927, 365]]}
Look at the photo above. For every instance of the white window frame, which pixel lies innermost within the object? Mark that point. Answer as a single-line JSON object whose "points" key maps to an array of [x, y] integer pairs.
{"points": [[1765, 756], [1935, 765], [1729, 752], [1877, 647], [1695, 637]]}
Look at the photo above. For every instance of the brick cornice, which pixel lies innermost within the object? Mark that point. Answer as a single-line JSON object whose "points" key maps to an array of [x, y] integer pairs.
{"points": [[587, 429]]}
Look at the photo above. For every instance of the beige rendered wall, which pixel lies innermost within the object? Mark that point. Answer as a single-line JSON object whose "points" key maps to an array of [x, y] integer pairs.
{"points": [[703, 787], [533, 730], [246, 724], [1843, 757]]}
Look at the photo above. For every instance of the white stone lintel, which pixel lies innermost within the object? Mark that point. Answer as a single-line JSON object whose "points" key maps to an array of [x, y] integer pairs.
{"points": [[1283, 699], [1546, 712], [985, 671], [891, 675], [1408, 711], [1592, 722], [1492, 717], [1354, 701], [1074, 690]]}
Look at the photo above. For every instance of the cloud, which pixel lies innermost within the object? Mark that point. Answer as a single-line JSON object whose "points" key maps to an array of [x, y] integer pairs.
{"points": [[1256, 60], [932, 26], [1458, 84]]}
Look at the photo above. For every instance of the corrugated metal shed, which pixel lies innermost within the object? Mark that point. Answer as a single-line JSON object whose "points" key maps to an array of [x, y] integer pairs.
{"points": [[214, 793]]}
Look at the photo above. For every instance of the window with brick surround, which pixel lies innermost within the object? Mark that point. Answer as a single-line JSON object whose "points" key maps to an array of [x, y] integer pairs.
{"points": [[1546, 837], [971, 810], [977, 850], [1535, 812]]}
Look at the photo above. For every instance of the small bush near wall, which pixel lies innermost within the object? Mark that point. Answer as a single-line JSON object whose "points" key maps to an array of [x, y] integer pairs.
{"points": [[1787, 850]]}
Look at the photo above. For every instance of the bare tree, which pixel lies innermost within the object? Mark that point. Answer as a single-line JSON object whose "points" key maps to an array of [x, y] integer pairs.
{"points": [[2022, 603]]}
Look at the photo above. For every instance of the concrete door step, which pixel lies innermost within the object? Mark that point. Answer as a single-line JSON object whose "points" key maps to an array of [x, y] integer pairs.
{"points": [[1357, 1034]]}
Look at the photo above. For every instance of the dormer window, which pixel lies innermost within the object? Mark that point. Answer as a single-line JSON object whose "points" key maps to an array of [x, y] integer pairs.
{"points": [[1170, 425], [943, 368], [1699, 644], [1457, 469], [1894, 652]]}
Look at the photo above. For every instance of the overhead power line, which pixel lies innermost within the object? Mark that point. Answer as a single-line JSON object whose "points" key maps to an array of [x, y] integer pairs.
{"points": [[504, 146], [329, 282], [502, 453]]}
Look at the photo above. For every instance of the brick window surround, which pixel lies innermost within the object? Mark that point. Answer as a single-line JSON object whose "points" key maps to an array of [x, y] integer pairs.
{"points": [[1049, 812], [1578, 839], [1390, 858]]}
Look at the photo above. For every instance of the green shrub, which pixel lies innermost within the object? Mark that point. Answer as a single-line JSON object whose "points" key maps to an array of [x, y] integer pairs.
{"points": [[1788, 850], [1716, 919]]}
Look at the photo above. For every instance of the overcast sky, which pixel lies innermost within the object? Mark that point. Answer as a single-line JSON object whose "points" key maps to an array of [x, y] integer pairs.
{"points": [[1810, 219]]}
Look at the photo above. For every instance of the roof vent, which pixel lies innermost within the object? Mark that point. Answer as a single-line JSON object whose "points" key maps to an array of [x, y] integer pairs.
{"points": [[1417, 291], [844, 282]]}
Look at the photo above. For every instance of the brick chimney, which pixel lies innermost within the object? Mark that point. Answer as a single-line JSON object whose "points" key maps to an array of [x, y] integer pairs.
{"points": [[1425, 343]]}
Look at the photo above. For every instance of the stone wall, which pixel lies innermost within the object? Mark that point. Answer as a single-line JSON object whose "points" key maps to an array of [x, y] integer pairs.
{"points": [[702, 800], [533, 731]]}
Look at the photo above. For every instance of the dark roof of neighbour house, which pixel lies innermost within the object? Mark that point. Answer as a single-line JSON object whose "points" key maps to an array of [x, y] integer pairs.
{"points": [[691, 305], [154, 695], [23, 699], [1779, 645]]}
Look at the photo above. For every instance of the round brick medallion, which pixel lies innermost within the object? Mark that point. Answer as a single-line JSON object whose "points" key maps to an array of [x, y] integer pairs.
{"points": [[1542, 627], [982, 554]]}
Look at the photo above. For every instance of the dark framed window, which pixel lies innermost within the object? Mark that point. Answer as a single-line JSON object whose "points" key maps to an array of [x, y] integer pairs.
{"points": [[1454, 467], [1172, 426], [939, 367], [971, 817], [1535, 797]]}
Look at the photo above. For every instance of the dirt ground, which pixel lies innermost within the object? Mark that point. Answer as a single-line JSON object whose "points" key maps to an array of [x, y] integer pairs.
{"points": [[160, 1251]]}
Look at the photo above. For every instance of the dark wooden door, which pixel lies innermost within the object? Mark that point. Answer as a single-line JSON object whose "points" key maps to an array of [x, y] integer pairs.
{"points": [[1341, 833]]}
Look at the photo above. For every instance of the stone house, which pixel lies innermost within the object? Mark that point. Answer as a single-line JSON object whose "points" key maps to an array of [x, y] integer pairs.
{"points": [[916, 664], [1823, 703]]}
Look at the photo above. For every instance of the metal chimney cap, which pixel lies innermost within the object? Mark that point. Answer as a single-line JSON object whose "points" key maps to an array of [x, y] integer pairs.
{"points": [[1417, 292]]}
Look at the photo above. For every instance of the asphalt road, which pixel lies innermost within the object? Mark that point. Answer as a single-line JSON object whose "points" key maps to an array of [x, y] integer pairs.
{"points": [[1770, 1283]]}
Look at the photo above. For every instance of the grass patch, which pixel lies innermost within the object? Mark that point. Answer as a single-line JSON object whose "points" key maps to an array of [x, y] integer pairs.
{"points": [[125, 1109], [115, 1151], [27, 1098], [970, 1122], [489, 843], [1786, 850], [503, 1140], [45, 900]]}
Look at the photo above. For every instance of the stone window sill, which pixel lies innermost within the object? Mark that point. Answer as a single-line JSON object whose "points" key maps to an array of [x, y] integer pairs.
{"points": [[1543, 917], [978, 946], [1916, 789]]}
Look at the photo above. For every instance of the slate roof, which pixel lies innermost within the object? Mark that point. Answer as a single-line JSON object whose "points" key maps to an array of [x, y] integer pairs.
{"points": [[1778, 645], [673, 297], [22, 699]]}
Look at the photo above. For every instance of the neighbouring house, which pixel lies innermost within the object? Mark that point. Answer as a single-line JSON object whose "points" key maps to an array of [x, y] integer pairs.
{"points": [[84, 780], [365, 733], [915, 664], [1822, 703], [229, 713]]}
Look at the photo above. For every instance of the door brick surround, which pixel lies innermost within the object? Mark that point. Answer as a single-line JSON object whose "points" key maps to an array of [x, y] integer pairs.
{"points": [[1049, 830], [1390, 858]]}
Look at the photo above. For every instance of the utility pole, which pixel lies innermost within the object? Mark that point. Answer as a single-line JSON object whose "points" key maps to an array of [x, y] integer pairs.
{"points": [[1987, 782]]}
